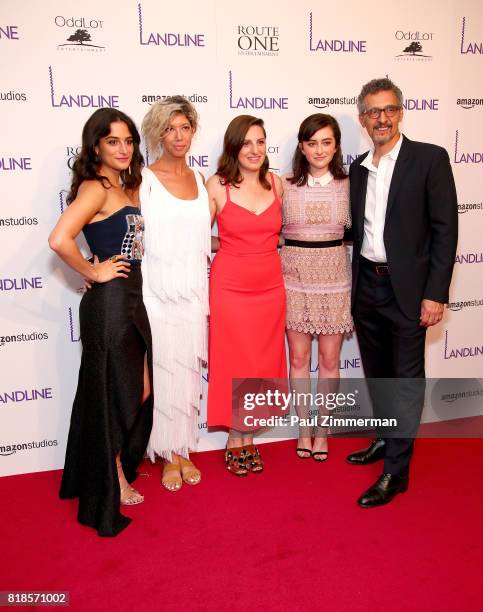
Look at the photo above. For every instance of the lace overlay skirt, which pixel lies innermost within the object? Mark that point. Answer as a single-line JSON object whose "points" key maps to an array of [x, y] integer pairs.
{"points": [[318, 285]]}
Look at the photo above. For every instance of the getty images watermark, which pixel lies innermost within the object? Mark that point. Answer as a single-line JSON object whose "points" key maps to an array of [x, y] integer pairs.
{"points": [[304, 402], [392, 407]]}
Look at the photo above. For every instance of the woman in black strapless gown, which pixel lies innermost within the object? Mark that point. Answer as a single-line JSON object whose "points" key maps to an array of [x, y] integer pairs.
{"points": [[112, 412]]}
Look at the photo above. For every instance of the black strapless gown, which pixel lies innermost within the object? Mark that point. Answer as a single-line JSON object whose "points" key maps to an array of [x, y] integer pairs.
{"points": [[107, 416]]}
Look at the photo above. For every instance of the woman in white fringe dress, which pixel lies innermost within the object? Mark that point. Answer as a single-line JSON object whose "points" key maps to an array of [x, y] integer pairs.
{"points": [[174, 204]]}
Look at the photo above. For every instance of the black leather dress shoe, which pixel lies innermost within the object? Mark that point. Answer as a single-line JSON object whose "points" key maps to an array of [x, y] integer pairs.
{"points": [[383, 490], [371, 454]]}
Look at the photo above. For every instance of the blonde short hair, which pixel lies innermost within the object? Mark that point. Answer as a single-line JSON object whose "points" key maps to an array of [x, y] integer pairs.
{"points": [[157, 119]]}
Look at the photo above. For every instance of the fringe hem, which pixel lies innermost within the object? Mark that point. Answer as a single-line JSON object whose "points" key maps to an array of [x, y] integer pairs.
{"points": [[325, 330]]}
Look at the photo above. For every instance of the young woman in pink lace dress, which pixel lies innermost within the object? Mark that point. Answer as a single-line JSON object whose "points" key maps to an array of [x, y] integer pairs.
{"points": [[316, 265]]}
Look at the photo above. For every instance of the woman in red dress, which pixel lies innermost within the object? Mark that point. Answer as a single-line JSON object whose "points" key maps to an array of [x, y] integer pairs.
{"points": [[247, 295]]}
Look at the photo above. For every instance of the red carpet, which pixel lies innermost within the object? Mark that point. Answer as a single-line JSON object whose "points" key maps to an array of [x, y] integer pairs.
{"points": [[290, 538]]}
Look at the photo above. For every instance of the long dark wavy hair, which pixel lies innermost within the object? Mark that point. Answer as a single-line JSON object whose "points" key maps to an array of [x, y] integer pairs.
{"points": [[228, 166], [308, 127], [87, 163]]}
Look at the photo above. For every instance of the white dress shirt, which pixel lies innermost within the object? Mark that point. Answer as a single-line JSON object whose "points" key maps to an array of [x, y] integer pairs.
{"points": [[378, 183], [323, 180]]}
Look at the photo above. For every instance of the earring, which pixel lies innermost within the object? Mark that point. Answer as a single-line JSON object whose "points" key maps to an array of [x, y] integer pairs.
{"points": [[129, 170]]}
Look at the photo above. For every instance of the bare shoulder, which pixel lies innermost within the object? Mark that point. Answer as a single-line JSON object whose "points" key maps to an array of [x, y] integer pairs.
{"points": [[277, 180], [278, 184], [287, 184], [90, 199], [214, 180], [213, 184], [92, 190]]}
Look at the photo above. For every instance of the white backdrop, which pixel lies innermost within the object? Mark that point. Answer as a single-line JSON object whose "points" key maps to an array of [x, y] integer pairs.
{"points": [[62, 59]]}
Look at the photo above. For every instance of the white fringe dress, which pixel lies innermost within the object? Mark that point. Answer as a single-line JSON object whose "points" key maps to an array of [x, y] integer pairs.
{"points": [[175, 292]]}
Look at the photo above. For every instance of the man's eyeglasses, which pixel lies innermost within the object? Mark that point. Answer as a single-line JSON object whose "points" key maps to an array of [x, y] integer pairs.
{"points": [[375, 113]]}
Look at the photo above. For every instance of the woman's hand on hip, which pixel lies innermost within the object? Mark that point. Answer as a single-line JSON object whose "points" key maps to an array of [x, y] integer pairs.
{"points": [[114, 267]]}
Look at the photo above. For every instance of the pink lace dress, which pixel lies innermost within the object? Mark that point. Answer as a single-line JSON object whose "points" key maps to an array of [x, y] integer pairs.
{"points": [[317, 280]]}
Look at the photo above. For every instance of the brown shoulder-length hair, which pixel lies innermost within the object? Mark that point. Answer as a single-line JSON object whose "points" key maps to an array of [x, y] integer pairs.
{"points": [[308, 127], [87, 163], [228, 166]]}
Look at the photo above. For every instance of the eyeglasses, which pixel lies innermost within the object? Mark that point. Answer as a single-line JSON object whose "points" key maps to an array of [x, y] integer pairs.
{"points": [[375, 113]]}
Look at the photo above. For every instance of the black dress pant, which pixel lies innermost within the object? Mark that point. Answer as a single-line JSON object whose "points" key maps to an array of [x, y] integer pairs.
{"points": [[392, 348]]}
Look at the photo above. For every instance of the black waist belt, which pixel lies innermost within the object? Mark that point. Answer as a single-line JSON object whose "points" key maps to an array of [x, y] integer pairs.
{"points": [[322, 244], [381, 269]]}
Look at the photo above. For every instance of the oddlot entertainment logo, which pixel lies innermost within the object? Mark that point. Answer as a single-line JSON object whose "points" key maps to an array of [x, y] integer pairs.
{"points": [[12, 449], [168, 39], [413, 48], [334, 45], [78, 100], [80, 37]]}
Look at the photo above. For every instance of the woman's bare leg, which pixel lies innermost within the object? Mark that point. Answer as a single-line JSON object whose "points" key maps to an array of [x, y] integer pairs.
{"points": [[300, 345], [328, 381]]}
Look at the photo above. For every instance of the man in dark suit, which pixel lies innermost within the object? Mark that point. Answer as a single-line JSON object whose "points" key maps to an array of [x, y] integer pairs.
{"points": [[404, 216]]}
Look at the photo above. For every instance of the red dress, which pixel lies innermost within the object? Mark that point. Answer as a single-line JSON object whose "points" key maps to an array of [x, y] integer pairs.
{"points": [[247, 304]]}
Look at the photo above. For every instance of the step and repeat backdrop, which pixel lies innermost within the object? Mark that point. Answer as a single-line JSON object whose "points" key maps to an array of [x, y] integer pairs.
{"points": [[62, 59]]}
